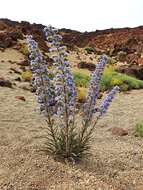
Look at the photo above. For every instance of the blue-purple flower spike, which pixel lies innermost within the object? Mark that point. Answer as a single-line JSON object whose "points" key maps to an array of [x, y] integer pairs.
{"points": [[106, 103], [57, 96], [94, 88], [65, 89], [42, 82]]}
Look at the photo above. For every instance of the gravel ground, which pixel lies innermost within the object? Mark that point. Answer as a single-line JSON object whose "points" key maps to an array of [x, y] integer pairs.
{"points": [[22, 166], [120, 159], [116, 163]]}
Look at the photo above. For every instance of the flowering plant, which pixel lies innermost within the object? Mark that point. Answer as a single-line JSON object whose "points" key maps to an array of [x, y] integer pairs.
{"points": [[69, 129]]}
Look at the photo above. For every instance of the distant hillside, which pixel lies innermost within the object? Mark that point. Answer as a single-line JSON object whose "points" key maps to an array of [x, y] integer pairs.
{"points": [[126, 43]]}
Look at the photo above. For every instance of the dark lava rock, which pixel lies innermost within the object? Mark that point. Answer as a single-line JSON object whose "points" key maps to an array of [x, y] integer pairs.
{"points": [[5, 83], [23, 63], [9, 38], [85, 65]]}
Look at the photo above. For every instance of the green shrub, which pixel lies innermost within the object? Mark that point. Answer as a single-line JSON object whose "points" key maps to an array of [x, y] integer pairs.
{"points": [[139, 129], [116, 81], [82, 77], [124, 87], [110, 79]]}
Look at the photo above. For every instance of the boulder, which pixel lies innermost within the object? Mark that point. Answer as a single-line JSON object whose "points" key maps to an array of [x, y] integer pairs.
{"points": [[9, 38], [5, 41], [5, 83], [85, 65]]}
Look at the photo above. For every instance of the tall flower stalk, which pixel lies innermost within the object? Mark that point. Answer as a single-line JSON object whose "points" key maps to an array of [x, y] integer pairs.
{"points": [[43, 84], [65, 89], [89, 107], [57, 97]]}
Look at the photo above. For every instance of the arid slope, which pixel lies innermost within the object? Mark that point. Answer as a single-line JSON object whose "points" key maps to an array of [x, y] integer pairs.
{"points": [[116, 162]]}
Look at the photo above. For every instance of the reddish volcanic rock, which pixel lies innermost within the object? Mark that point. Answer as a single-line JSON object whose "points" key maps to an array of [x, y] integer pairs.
{"points": [[129, 41], [9, 39], [11, 31], [5, 41], [110, 41], [20, 98], [85, 65], [119, 131]]}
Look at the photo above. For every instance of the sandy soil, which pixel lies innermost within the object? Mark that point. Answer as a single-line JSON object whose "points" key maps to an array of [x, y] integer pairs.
{"points": [[116, 162]]}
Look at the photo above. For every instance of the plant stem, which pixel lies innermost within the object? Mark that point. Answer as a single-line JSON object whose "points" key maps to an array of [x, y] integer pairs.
{"points": [[47, 111], [86, 122], [91, 130], [66, 108], [66, 122]]}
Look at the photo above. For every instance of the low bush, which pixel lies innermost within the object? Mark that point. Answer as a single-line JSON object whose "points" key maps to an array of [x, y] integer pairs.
{"points": [[110, 79], [81, 77]]}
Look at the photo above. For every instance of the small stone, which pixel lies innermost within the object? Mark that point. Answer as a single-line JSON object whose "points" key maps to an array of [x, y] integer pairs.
{"points": [[20, 98], [119, 131]]}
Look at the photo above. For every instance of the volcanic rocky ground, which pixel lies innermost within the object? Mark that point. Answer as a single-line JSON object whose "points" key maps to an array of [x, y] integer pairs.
{"points": [[124, 45], [116, 161]]}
